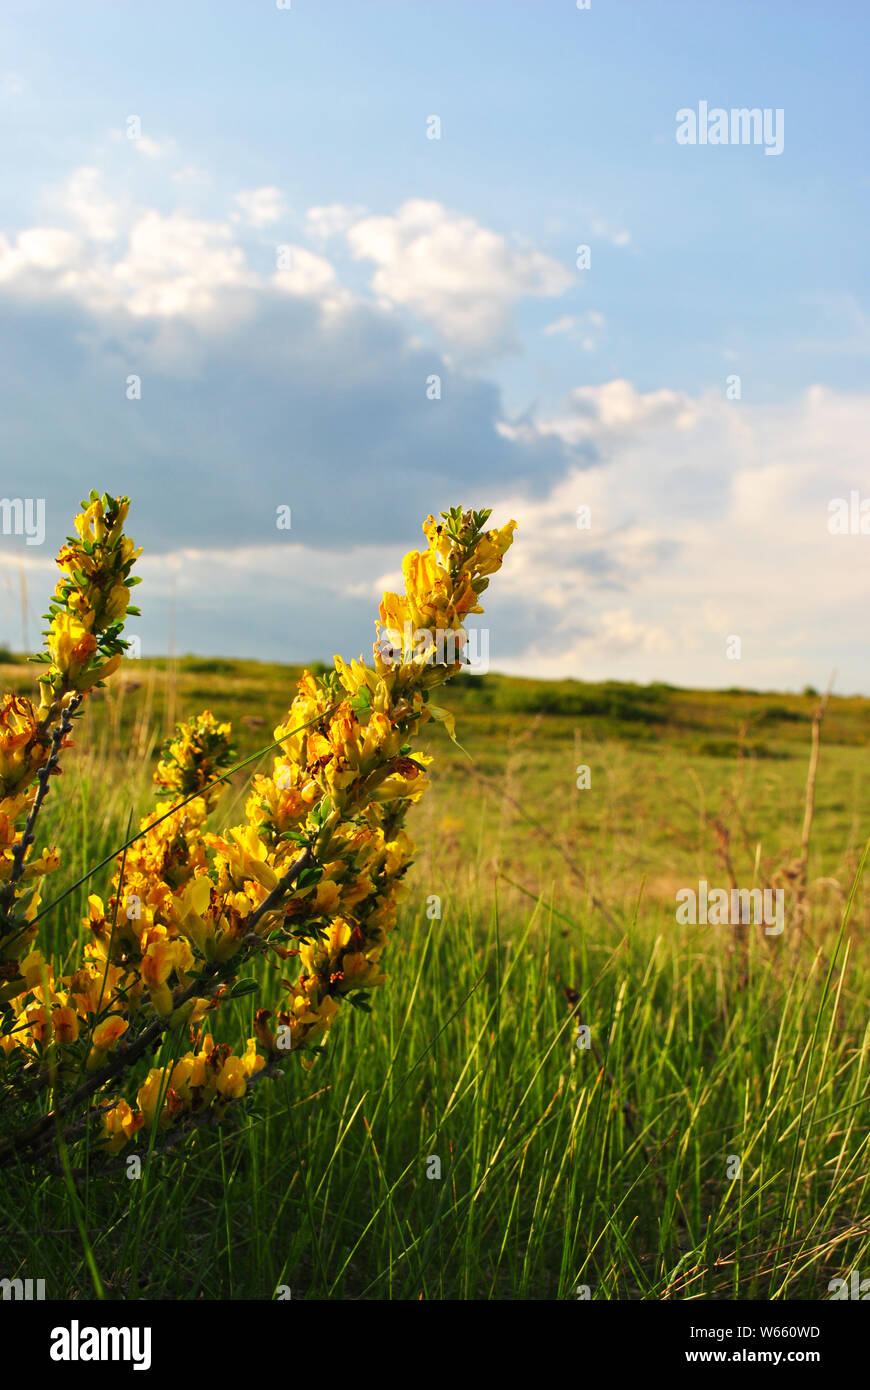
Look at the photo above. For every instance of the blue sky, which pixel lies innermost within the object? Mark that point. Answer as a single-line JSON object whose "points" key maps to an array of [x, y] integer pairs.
{"points": [[302, 382]]}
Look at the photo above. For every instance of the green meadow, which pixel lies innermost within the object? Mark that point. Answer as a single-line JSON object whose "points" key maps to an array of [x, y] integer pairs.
{"points": [[462, 1140]]}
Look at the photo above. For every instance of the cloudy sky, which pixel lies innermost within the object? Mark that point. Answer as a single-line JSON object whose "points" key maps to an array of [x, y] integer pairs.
{"points": [[276, 226]]}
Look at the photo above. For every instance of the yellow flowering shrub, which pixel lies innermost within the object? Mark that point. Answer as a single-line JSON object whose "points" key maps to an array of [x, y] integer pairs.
{"points": [[313, 875]]}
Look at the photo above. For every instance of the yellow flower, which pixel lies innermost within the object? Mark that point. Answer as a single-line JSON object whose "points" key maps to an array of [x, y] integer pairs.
{"points": [[34, 970], [115, 606], [119, 1125], [251, 1059], [70, 646], [244, 856], [326, 896], [438, 537], [148, 1095], [105, 1035], [22, 749], [200, 750], [360, 972], [232, 1082], [162, 956], [339, 934], [188, 907], [406, 780], [65, 1024], [491, 548]]}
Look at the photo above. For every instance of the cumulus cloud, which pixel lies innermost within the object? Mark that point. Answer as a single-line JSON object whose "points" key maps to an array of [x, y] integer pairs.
{"points": [[150, 148], [94, 211], [335, 219], [278, 386], [259, 385], [462, 278], [114, 256], [172, 265], [615, 408], [260, 207], [178, 265], [708, 519], [301, 272], [48, 250], [651, 589]]}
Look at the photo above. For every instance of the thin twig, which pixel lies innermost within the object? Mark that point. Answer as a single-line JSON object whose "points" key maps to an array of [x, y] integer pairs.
{"points": [[277, 893]]}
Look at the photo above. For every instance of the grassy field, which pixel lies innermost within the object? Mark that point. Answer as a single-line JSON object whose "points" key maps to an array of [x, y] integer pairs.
{"points": [[711, 1142]]}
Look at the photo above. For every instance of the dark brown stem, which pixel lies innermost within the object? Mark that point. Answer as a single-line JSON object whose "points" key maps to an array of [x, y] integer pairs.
{"points": [[274, 897]]}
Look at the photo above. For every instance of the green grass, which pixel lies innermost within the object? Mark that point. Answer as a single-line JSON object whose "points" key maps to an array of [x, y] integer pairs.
{"points": [[561, 1167]]}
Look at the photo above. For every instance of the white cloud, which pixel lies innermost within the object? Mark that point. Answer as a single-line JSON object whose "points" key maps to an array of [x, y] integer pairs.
{"points": [[614, 408], [344, 572], [699, 532], [37, 252], [260, 207], [334, 219], [151, 149], [84, 198], [666, 573], [301, 272], [457, 275], [171, 266], [177, 265], [709, 517], [116, 256]]}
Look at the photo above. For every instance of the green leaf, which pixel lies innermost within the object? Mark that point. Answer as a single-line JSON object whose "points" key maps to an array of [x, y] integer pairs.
{"points": [[242, 987], [312, 873]]}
